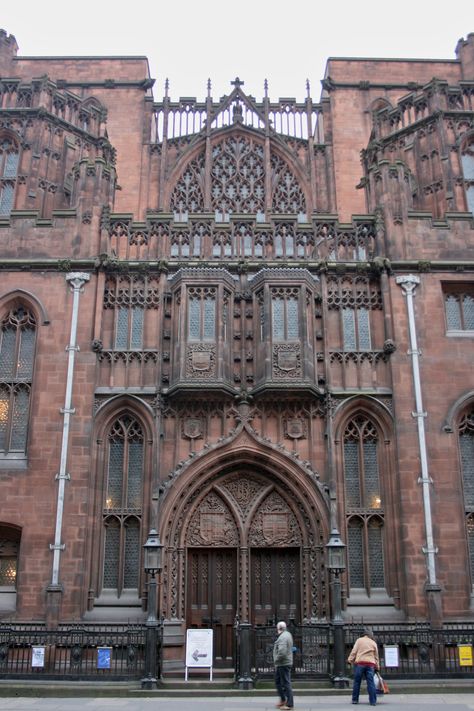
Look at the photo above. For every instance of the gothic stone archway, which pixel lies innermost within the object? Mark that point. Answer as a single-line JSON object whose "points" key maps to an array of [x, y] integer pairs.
{"points": [[243, 543]]}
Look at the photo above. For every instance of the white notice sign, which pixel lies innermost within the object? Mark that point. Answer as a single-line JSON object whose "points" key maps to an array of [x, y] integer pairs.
{"points": [[37, 656], [198, 650], [391, 655]]}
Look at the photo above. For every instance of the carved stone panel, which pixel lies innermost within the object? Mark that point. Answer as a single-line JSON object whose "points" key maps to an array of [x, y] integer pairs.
{"points": [[212, 524], [201, 361], [286, 361], [274, 524], [244, 490]]}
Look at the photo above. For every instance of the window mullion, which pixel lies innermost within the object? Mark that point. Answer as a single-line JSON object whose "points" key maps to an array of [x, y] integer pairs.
{"points": [[121, 564], [365, 557]]}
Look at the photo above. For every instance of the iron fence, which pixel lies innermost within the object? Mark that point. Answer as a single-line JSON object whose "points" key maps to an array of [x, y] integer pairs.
{"points": [[73, 652], [312, 646], [420, 651]]}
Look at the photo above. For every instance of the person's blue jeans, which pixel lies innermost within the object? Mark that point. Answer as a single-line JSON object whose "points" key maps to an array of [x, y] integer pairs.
{"points": [[360, 670], [283, 684]]}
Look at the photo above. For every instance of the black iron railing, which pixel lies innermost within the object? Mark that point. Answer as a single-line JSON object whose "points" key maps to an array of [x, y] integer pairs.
{"points": [[420, 651], [73, 652]]}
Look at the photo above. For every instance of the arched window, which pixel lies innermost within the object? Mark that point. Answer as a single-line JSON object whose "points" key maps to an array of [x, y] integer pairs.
{"points": [[9, 550], [17, 350], [122, 509], [285, 316], [467, 162], [9, 157], [466, 450], [202, 314], [364, 514]]}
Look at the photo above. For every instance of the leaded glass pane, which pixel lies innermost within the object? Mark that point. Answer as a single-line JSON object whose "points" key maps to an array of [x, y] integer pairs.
{"points": [[467, 161], [258, 250], [209, 319], [135, 474], [4, 414], [137, 327], [453, 313], [278, 323], [376, 567], [470, 538], [194, 318], [132, 555], [356, 560], [468, 312], [7, 353], [11, 165], [27, 352], [115, 478], [278, 242], [364, 329], [292, 318], [6, 199], [197, 245], [185, 249], [290, 246], [351, 473], [20, 408], [371, 475], [247, 246], [112, 555], [121, 335], [8, 571], [466, 446], [470, 198], [348, 330]]}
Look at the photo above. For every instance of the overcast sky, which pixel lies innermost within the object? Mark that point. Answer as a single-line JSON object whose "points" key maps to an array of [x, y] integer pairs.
{"points": [[285, 41]]}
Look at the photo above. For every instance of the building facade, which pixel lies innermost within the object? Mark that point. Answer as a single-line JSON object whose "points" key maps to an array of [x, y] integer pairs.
{"points": [[244, 323]]}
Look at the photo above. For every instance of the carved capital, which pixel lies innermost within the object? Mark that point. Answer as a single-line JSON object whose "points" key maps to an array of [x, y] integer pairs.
{"points": [[408, 283], [77, 279]]}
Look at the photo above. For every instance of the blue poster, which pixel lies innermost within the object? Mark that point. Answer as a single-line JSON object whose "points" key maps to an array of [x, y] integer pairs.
{"points": [[104, 656]]}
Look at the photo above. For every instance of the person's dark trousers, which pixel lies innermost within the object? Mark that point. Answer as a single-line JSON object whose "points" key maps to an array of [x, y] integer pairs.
{"points": [[283, 684], [361, 670]]}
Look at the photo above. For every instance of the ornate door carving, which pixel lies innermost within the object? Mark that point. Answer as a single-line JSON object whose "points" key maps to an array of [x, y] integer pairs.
{"points": [[275, 575], [212, 597]]}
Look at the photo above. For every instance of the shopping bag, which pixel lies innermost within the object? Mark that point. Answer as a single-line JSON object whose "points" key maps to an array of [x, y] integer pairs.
{"points": [[381, 686]]}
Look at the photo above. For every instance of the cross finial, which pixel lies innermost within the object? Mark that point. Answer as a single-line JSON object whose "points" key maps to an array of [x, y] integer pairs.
{"points": [[237, 83]]}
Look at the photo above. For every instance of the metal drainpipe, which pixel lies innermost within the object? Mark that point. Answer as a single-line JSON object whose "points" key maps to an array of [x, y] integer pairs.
{"points": [[77, 281], [408, 284]]}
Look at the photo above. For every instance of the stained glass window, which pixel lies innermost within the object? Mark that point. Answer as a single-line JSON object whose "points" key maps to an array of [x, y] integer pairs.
{"points": [[202, 314], [467, 161], [17, 350], [123, 505], [356, 329], [129, 328], [362, 495], [9, 158], [459, 309], [285, 316], [9, 549]]}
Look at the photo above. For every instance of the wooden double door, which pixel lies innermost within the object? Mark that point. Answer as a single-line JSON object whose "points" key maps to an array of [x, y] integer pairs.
{"points": [[213, 585]]}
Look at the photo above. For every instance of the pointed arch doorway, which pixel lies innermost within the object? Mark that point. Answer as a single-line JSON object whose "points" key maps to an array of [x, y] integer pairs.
{"points": [[250, 546]]}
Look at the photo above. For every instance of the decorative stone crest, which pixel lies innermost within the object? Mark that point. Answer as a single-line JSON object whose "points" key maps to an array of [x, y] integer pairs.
{"points": [[212, 524], [295, 428], [201, 360], [192, 428], [286, 360]]}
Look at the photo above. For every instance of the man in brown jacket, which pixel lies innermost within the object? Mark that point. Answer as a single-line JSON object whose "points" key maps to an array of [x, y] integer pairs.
{"points": [[365, 658]]}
